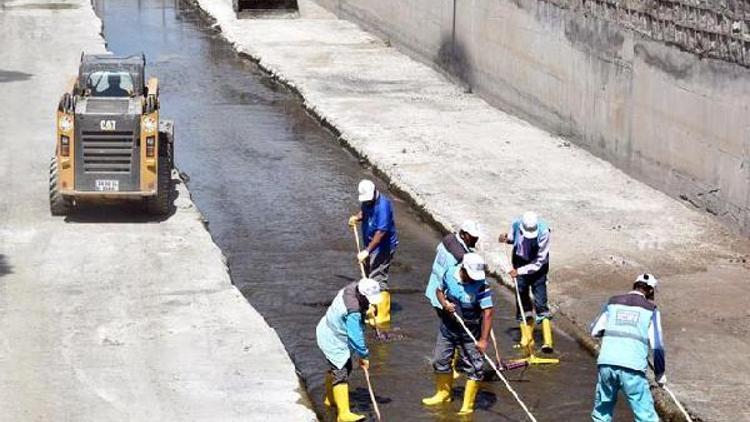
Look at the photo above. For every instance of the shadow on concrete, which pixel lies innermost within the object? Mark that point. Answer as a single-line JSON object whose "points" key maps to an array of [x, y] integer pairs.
{"points": [[5, 268], [13, 76], [120, 211]]}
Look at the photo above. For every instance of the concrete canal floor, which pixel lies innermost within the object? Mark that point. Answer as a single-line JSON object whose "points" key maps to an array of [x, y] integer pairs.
{"points": [[276, 189]]}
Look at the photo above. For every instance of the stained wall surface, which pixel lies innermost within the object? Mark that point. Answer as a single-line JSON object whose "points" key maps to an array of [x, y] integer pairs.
{"points": [[661, 89]]}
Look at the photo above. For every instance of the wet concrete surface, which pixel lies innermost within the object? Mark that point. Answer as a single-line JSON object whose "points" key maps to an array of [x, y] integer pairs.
{"points": [[277, 189]]}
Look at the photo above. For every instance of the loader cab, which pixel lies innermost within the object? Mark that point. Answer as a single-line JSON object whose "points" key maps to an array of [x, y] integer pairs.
{"points": [[110, 138], [106, 75]]}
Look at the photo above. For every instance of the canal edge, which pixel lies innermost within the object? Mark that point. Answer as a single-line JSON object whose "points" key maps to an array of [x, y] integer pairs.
{"points": [[667, 410]]}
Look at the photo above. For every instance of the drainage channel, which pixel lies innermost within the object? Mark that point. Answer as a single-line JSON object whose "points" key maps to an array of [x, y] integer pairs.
{"points": [[277, 189]]}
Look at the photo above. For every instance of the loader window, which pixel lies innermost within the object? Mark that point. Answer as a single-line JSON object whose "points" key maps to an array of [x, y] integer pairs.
{"points": [[110, 84]]}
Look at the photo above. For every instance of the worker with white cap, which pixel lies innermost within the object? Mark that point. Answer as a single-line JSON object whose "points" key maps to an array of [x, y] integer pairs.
{"points": [[629, 325], [340, 331], [530, 237], [380, 242], [464, 291], [448, 253]]}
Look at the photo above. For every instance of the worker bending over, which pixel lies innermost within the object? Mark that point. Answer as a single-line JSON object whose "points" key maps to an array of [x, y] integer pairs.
{"points": [[628, 325], [465, 292], [530, 237], [448, 254], [341, 330], [380, 242]]}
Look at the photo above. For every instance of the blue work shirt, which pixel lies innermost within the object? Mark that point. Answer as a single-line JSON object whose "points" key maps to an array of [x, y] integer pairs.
{"points": [[470, 298], [379, 217]]}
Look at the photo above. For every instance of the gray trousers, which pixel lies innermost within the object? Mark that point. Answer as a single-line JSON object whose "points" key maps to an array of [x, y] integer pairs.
{"points": [[470, 361], [341, 376], [378, 266]]}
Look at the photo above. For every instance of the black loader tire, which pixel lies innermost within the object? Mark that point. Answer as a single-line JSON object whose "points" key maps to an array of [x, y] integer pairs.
{"points": [[161, 203], [58, 205]]}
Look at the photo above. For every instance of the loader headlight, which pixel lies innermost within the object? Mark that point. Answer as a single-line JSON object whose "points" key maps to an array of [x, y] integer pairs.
{"points": [[149, 124], [65, 122]]}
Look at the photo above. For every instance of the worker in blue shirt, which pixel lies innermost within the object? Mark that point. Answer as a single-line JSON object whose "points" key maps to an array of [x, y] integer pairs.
{"points": [[340, 331], [629, 325], [380, 242], [465, 292], [448, 254], [530, 237]]}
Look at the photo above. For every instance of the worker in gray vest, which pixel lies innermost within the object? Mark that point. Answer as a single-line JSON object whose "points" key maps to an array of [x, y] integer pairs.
{"points": [[530, 237], [341, 331]]}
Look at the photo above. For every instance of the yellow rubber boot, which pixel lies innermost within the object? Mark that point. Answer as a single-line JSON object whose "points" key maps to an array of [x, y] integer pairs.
{"points": [[329, 401], [443, 384], [526, 336], [383, 316], [548, 344], [470, 397], [341, 396], [454, 365]]}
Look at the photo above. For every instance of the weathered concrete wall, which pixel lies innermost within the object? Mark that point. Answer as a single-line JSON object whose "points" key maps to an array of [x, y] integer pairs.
{"points": [[628, 84]]}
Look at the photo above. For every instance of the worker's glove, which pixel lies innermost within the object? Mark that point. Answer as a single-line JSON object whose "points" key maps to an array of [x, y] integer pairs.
{"points": [[364, 363], [661, 380], [363, 255], [353, 220]]}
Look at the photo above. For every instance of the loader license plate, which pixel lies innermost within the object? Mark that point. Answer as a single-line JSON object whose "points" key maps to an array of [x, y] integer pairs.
{"points": [[106, 185]]}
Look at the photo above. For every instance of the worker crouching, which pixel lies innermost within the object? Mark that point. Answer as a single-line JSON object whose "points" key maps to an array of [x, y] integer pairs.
{"points": [[340, 331], [465, 292]]}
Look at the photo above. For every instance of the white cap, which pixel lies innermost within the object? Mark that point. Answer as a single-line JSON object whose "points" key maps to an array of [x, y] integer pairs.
{"points": [[473, 263], [530, 225], [648, 279], [370, 289], [366, 190], [471, 227]]}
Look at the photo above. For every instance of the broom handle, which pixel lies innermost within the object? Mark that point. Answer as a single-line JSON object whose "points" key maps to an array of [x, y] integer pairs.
{"points": [[372, 393]]}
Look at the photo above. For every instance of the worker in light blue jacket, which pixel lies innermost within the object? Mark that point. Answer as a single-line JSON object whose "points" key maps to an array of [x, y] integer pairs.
{"points": [[449, 253], [629, 326], [341, 331]]}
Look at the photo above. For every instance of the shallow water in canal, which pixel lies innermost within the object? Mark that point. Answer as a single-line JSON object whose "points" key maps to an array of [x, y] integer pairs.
{"points": [[277, 190]]}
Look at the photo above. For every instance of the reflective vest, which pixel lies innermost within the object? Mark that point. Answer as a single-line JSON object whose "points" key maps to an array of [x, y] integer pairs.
{"points": [[626, 333], [449, 252]]}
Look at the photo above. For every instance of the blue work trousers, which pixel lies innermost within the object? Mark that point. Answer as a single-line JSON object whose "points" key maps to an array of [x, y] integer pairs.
{"points": [[634, 386], [537, 284]]}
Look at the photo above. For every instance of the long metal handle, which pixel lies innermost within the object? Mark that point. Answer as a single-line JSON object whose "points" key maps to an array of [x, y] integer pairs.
{"points": [[359, 249], [679, 405], [372, 393], [497, 371]]}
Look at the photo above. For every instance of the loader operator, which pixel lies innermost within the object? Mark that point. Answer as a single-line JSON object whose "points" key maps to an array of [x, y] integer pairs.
{"points": [[380, 242], [629, 325], [465, 292], [530, 237], [338, 333], [113, 87]]}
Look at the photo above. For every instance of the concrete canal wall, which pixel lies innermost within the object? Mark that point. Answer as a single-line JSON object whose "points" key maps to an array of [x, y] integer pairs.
{"points": [[661, 88]]}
